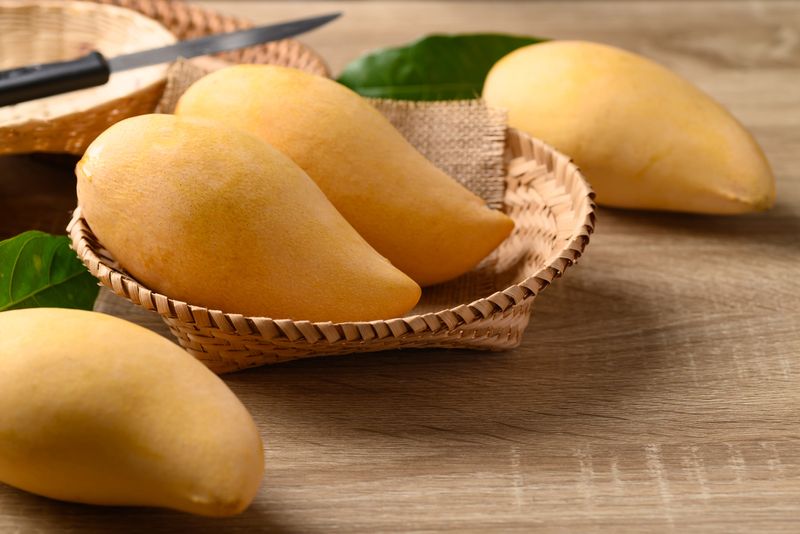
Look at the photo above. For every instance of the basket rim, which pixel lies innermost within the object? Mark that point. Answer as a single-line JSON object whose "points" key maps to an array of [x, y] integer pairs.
{"points": [[449, 319]]}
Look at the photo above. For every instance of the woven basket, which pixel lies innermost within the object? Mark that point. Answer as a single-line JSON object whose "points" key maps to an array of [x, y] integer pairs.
{"points": [[42, 31], [39, 32], [187, 21], [546, 196]]}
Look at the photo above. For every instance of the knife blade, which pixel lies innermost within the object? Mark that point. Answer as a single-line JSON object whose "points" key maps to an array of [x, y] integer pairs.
{"points": [[37, 81]]}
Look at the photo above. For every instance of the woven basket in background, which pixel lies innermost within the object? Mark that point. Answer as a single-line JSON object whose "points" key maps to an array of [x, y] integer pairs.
{"points": [[54, 30], [187, 21]]}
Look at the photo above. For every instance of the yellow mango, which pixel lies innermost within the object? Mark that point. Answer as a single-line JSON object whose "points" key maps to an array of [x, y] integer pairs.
{"points": [[427, 224], [645, 137], [97, 410], [216, 217]]}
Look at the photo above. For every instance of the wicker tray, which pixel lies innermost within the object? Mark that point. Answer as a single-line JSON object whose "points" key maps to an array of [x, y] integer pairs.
{"points": [[68, 123], [546, 196]]}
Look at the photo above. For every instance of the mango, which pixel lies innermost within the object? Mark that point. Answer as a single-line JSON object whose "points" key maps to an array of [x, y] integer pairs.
{"points": [[645, 137], [427, 224], [213, 216], [97, 410]]}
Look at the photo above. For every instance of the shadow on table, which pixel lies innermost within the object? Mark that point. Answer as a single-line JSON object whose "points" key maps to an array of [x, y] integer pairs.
{"points": [[35, 194], [32, 513], [562, 374], [778, 227]]}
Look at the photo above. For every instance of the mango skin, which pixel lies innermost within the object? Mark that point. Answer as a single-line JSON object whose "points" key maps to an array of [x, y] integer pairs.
{"points": [[215, 217], [645, 137], [427, 224], [97, 410]]}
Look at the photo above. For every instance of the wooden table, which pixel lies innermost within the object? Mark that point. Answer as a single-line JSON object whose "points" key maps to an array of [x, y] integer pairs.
{"points": [[656, 390]]}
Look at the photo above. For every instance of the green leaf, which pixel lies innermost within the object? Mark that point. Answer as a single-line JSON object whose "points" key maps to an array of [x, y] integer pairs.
{"points": [[40, 270], [437, 67]]}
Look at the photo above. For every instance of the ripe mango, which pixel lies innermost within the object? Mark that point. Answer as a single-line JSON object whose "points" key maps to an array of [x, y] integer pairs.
{"points": [[428, 225], [216, 217], [645, 137], [97, 410]]}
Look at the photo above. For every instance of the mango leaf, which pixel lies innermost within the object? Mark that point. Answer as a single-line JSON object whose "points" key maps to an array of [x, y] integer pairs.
{"points": [[40, 270], [437, 67]]}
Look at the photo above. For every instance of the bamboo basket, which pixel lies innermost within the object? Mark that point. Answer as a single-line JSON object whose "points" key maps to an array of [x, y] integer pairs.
{"points": [[188, 21], [53, 30], [545, 194]]}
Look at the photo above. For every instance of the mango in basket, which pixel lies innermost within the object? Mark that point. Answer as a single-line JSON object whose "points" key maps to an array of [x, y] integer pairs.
{"points": [[98, 410], [645, 137], [216, 217], [426, 223]]}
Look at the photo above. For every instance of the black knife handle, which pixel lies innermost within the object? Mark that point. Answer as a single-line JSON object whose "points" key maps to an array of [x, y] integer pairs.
{"points": [[37, 81]]}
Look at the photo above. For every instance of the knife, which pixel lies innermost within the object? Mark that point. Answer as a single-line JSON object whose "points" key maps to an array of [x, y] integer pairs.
{"points": [[37, 81]]}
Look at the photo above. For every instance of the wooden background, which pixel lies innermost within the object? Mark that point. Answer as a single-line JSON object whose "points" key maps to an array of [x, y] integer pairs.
{"points": [[657, 387]]}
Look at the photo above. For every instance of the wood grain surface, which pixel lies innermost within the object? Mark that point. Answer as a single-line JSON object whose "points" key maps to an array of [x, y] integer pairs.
{"points": [[657, 388]]}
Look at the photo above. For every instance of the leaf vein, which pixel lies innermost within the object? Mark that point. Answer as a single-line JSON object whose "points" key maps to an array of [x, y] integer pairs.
{"points": [[41, 290]]}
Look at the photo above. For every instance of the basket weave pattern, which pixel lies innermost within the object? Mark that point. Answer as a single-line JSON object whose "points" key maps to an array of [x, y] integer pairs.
{"points": [[546, 196], [187, 21]]}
